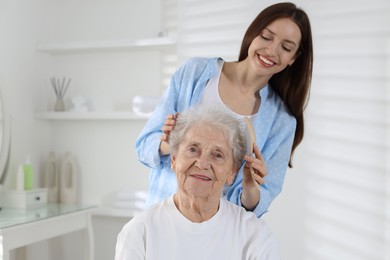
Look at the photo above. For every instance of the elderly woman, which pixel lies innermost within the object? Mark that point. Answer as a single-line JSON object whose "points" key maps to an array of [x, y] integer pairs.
{"points": [[207, 147]]}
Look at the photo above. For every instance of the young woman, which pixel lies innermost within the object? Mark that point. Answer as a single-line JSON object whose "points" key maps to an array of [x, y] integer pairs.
{"points": [[269, 83]]}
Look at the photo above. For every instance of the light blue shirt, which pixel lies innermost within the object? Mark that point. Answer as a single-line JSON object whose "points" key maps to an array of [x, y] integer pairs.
{"points": [[274, 126]]}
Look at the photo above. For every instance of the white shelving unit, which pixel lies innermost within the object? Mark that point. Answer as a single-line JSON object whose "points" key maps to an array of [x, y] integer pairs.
{"points": [[61, 48], [97, 46], [89, 116]]}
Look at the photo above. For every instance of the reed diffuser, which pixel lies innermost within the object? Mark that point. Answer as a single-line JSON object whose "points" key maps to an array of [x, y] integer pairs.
{"points": [[60, 87]]}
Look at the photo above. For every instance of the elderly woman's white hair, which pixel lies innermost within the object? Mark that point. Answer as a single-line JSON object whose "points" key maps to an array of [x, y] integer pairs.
{"points": [[234, 132]]}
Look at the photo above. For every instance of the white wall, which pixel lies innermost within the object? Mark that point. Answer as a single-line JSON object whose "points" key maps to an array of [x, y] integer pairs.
{"points": [[22, 22]]}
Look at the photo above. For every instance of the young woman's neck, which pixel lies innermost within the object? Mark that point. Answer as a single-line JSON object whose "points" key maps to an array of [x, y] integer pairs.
{"points": [[249, 80]]}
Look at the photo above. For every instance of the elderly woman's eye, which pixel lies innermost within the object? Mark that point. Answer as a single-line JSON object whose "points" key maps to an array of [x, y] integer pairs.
{"points": [[219, 155], [192, 149]]}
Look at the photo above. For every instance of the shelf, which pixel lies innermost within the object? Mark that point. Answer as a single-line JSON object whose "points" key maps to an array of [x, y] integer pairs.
{"points": [[104, 211], [96, 46], [89, 116]]}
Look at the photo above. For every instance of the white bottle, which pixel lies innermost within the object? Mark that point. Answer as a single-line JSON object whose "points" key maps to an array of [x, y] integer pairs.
{"points": [[51, 178], [68, 180], [20, 179]]}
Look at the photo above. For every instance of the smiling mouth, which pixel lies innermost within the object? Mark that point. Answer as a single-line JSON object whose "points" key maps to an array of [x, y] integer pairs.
{"points": [[201, 177], [266, 61]]}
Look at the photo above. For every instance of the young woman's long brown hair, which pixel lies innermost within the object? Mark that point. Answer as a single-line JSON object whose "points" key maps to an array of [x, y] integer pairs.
{"points": [[293, 83]]}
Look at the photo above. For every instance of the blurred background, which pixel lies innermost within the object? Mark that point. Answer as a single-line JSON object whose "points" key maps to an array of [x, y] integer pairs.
{"points": [[335, 204]]}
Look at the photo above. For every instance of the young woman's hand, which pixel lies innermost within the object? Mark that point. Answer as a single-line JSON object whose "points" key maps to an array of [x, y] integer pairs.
{"points": [[254, 172], [168, 126]]}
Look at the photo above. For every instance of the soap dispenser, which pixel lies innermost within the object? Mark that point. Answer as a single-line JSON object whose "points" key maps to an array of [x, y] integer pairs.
{"points": [[28, 174]]}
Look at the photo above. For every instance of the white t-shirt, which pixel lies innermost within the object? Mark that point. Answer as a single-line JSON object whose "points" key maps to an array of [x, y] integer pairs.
{"points": [[163, 232]]}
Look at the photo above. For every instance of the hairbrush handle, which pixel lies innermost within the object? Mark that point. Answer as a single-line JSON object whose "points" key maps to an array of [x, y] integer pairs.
{"points": [[251, 137], [251, 133]]}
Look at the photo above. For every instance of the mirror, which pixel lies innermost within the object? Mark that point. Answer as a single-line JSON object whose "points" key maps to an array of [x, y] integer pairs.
{"points": [[5, 139]]}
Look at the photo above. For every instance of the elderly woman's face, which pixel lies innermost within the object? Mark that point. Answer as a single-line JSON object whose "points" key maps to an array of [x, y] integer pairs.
{"points": [[204, 162]]}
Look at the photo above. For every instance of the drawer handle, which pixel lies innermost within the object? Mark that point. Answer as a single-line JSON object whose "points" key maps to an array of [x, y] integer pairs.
{"points": [[37, 198]]}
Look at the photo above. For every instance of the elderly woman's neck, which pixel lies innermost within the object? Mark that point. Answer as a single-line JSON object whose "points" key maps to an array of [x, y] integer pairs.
{"points": [[196, 209]]}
